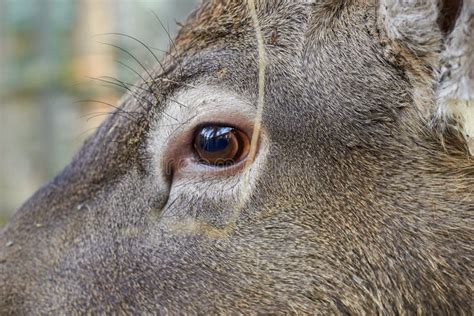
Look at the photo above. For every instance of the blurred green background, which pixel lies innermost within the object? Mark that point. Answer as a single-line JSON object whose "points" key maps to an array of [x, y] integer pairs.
{"points": [[50, 51]]}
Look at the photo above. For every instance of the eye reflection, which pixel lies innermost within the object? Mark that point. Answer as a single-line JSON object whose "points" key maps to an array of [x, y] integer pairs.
{"points": [[220, 145]]}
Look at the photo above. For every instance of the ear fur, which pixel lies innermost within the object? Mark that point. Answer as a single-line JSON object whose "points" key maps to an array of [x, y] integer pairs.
{"points": [[455, 92], [441, 33]]}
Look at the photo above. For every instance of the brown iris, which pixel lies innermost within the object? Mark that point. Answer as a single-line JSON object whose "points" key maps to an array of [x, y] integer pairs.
{"points": [[220, 145]]}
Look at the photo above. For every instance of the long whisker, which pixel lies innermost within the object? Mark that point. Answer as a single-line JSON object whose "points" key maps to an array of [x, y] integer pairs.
{"points": [[87, 115], [173, 44], [150, 88], [108, 104], [138, 41], [164, 29], [147, 83], [138, 62], [94, 115], [139, 98], [127, 86], [80, 136], [141, 78], [124, 85], [165, 52]]}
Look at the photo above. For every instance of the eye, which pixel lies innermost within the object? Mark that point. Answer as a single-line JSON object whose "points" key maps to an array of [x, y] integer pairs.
{"points": [[220, 145]]}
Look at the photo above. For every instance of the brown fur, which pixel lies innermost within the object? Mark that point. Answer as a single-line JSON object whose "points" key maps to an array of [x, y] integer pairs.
{"points": [[357, 207]]}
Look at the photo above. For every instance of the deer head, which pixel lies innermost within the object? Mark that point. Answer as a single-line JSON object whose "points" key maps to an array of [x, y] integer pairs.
{"points": [[307, 156]]}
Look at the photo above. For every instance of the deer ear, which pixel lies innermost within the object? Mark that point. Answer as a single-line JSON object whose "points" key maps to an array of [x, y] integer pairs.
{"points": [[441, 32], [455, 89]]}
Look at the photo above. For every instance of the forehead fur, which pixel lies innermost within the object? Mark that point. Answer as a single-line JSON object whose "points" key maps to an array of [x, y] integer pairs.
{"points": [[215, 20]]}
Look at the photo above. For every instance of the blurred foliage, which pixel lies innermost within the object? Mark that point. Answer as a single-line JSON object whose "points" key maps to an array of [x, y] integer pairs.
{"points": [[49, 51]]}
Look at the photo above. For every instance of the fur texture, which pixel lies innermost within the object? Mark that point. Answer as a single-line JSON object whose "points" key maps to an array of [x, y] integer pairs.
{"points": [[415, 24], [456, 83], [354, 205]]}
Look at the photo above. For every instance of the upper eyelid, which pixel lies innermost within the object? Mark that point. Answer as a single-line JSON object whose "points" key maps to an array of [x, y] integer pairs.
{"points": [[202, 101], [168, 138], [205, 101]]}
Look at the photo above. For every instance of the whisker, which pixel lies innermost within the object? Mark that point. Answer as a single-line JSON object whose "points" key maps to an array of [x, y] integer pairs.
{"points": [[150, 89], [80, 136], [134, 71], [87, 115], [125, 86], [183, 123], [173, 44], [129, 54], [108, 104], [138, 41], [138, 99], [148, 85], [164, 29], [138, 62], [167, 53], [100, 114]]}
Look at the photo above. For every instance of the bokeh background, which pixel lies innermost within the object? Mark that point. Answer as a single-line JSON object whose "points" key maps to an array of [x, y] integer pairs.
{"points": [[51, 59]]}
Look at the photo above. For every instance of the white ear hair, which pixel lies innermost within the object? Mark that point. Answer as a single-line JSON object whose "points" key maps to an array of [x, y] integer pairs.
{"points": [[456, 85], [416, 25], [413, 22]]}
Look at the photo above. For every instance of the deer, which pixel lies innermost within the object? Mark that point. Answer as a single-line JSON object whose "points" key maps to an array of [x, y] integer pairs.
{"points": [[305, 156]]}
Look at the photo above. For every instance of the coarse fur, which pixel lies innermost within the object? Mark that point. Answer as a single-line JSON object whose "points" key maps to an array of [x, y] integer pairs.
{"points": [[354, 204], [444, 41]]}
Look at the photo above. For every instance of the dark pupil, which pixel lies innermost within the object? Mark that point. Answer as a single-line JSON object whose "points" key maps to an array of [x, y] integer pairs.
{"points": [[217, 145], [215, 139]]}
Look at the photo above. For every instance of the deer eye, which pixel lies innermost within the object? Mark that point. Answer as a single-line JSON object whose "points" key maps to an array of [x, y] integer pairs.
{"points": [[220, 145]]}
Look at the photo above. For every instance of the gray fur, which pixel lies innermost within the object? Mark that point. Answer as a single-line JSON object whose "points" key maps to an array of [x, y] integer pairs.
{"points": [[355, 205]]}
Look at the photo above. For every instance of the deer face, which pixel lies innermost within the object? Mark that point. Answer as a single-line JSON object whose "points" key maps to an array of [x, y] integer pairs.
{"points": [[336, 195]]}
